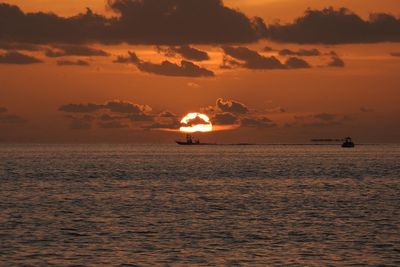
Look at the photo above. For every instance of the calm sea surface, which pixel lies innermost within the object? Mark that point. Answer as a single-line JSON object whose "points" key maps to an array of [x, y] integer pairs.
{"points": [[149, 205]]}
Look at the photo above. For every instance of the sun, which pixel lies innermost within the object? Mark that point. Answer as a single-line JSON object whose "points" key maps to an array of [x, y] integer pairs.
{"points": [[196, 122]]}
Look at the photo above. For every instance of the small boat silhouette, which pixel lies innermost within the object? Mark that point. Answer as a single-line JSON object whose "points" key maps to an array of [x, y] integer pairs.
{"points": [[348, 143], [190, 141]]}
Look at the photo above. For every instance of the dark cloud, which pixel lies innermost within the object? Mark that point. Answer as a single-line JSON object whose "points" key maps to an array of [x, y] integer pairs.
{"points": [[19, 46], [167, 114], [336, 26], [297, 63], [132, 58], [183, 22], [267, 49], [3, 109], [82, 63], [225, 118], [166, 68], [164, 120], [301, 53], [171, 123], [332, 53], [121, 112], [112, 125], [231, 106], [275, 110], [116, 106], [187, 52], [141, 117], [262, 122], [336, 62], [195, 121], [11, 119], [178, 22], [81, 108], [75, 50], [107, 117], [13, 57], [125, 107], [45, 28], [251, 59], [395, 54], [137, 22]]}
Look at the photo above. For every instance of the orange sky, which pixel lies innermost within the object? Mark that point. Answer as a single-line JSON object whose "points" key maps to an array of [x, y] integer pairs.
{"points": [[363, 96]]}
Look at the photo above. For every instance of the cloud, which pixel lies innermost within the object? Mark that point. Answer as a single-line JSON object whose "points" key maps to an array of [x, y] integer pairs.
{"points": [[395, 54], [18, 58], [186, 51], [262, 122], [3, 110], [251, 59], [231, 106], [167, 114], [166, 68], [183, 22], [19, 46], [337, 26], [225, 118], [275, 110], [267, 49], [180, 22], [301, 53], [11, 119], [172, 124], [195, 121], [118, 113], [297, 63], [75, 50], [81, 108], [107, 117], [336, 62], [140, 117], [73, 63], [169, 22], [126, 107], [115, 106], [131, 58]]}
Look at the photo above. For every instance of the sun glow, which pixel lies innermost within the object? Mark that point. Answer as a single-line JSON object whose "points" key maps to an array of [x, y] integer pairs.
{"points": [[196, 122]]}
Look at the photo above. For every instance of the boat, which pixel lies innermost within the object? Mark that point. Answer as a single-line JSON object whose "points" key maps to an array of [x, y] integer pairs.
{"points": [[190, 141], [348, 143]]}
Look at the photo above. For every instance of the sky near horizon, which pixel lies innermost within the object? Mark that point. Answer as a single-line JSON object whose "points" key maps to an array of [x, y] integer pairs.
{"points": [[128, 71]]}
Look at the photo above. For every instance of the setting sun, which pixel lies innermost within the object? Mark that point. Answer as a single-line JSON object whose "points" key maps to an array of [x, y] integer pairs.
{"points": [[196, 122]]}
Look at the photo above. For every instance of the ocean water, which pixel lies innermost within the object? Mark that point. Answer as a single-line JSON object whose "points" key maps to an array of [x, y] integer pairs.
{"points": [[165, 205]]}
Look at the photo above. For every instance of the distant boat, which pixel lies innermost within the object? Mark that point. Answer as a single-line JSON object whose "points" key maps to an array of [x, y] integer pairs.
{"points": [[348, 143], [190, 141]]}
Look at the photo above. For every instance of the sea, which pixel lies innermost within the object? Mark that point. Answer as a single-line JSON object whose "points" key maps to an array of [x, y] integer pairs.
{"points": [[169, 205]]}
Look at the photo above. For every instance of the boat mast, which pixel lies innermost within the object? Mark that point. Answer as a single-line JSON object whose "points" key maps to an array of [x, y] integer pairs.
{"points": [[189, 138]]}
